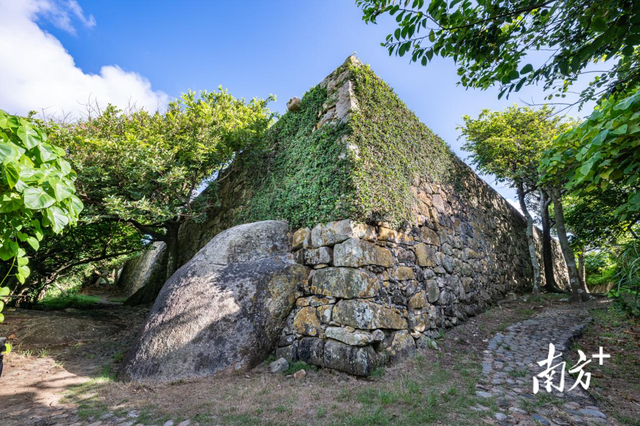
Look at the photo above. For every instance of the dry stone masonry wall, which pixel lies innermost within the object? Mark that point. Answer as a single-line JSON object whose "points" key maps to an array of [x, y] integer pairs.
{"points": [[375, 294]]}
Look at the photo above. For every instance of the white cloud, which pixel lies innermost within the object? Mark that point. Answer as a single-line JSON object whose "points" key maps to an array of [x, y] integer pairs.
{"points": [[37, 73]]}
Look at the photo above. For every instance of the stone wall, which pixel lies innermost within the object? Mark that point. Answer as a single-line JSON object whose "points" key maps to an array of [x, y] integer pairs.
{"points": [[423, 243], [376, 293]]}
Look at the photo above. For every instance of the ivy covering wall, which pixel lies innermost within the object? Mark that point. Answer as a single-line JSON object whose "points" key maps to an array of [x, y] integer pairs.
{"points": [[302, 175], [395, 147], [306, 176], [305, 173]]}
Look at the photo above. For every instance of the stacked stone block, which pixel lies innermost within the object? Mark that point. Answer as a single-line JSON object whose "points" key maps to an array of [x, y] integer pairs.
{"points": [[375, 294]]}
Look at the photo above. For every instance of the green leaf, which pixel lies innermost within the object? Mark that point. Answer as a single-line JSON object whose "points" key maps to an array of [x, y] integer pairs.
{"points": [[10, 203], [24, 271], [58, 218], [60, 190], [36, 198], [624, 105], [4, 291], [28, 135], [621, 130], [8, 250], [46, 153], [9, 152], [597, 141], [33, 242], [598, 23], [12, 173], [526, 69], [586, 168]]}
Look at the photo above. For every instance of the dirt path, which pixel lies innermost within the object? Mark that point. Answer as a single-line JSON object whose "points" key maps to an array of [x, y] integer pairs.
{"points": [[61, 374], [55, 351]]}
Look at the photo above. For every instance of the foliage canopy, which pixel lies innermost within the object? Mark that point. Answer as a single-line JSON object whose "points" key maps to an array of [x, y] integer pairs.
{"points": [[37, 193], [510, 144], [148, 168], [490, 40], [602, 155]]}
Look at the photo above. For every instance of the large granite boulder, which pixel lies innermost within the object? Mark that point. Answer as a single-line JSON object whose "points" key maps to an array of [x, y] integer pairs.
{"points": [[223, 310], [148, 267]]}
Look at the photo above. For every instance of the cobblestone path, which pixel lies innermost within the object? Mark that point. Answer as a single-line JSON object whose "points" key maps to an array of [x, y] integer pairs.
{"points": [[510, 364]]}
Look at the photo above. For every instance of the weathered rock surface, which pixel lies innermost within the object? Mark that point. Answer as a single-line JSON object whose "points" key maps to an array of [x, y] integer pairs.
{"points": [[350, 337], [279, 365], [294, 104], [144, 269], [337, 232], [367, 315], [223, 310], [359, 361], [347, 283], [355, 252]]}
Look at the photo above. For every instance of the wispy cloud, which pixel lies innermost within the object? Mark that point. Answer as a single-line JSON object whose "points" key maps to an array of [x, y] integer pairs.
{"points": [[37, 73]]}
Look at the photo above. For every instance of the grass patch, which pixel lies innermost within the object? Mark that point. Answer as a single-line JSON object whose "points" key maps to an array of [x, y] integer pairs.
{"points": [[76, 301], [377, 373], [299, 365], [428, 393], [118, 357], [518, 373]]}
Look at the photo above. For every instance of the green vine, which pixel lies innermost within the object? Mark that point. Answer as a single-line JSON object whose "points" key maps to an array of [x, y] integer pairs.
{"points": [[307, 175], [394, 149]]}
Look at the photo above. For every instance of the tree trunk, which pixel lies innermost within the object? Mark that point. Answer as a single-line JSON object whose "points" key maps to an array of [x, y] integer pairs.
{"points": [[547, 252], [581, 268], [530, 241], [578, 293], [149, 292], [172, 247]]}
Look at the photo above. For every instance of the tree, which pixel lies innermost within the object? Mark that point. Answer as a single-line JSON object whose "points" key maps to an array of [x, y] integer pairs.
{"points": [[597, 163], [95, 244], [509, 145], [594, 226], [602, 156], [578, 287], [491, 41], [146, 170], [37, 195]]}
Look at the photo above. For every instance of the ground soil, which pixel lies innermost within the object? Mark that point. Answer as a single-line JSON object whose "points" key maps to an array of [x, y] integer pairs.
{"points": [[616, 383], [62, 372]]}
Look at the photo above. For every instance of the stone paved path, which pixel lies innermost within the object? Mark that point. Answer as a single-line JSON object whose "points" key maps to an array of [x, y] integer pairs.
{"points": [[511, 362]]}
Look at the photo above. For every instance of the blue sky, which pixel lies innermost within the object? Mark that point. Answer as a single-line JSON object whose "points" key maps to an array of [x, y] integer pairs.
{"points": [[156, 50]]}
